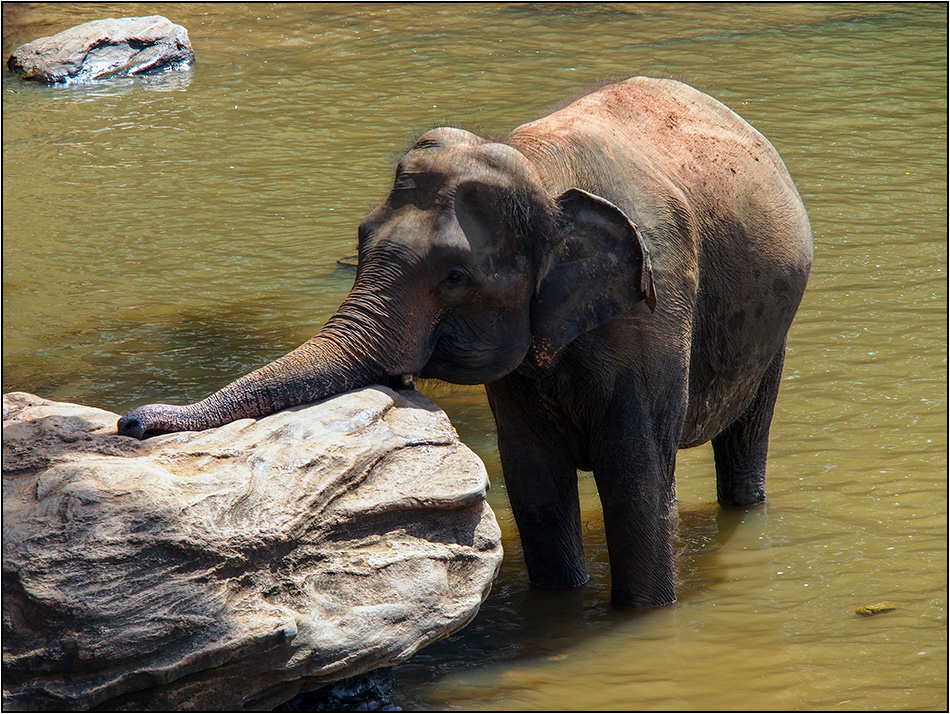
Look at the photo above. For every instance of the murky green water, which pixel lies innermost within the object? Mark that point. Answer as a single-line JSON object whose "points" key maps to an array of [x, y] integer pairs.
{"points": [[163, 236]]}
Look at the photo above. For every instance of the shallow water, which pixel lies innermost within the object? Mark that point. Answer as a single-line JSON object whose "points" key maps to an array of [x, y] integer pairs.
{"points": [[162, 236]]}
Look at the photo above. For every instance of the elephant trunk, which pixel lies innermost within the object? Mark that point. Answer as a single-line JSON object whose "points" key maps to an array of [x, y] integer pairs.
{"points": [[349, 352]]}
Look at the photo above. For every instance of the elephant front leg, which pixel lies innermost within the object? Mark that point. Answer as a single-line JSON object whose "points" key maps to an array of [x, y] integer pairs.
{"points": [[541, 481], [640, 525], [634, 469]]}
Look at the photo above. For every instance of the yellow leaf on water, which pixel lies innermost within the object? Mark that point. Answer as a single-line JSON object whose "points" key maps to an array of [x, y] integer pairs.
{"points": [[878, 607]]}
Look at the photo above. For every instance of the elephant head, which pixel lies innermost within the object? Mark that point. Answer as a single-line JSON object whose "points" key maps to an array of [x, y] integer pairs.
{"points": [[467, 271]]}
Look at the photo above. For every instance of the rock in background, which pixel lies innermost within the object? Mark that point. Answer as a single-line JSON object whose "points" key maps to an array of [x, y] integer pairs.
{"points": [[102, 49], [231, 569]]}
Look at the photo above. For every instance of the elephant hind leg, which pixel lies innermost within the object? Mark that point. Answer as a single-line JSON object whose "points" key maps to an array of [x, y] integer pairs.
{"points": [[742, 448]]}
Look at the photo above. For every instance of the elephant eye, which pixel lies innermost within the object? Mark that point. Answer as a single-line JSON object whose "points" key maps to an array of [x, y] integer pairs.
{"points": [[455, 276]]}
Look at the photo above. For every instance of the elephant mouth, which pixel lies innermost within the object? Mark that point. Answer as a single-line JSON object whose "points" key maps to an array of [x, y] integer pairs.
{"points": [[399, 381]]}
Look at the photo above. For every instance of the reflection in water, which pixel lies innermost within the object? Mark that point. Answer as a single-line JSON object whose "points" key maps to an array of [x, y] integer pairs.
{"points": [[164, 235]]}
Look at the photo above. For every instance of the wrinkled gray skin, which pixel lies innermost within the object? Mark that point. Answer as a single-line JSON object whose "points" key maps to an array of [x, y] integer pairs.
{"points": [[621, 275]]}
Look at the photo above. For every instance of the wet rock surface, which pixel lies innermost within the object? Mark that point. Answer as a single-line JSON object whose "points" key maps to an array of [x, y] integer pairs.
{"points": [[101, 49], [234, 568]]}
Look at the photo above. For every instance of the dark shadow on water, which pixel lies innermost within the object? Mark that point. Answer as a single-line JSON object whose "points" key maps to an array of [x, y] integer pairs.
{"points": [[521, 622]]}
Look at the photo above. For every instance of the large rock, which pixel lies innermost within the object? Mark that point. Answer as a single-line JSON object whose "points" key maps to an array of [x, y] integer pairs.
{"points": [[233, 568], [105, 48]]}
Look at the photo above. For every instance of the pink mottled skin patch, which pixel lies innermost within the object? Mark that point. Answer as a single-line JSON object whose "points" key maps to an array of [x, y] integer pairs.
{"points": [[693, 136]]}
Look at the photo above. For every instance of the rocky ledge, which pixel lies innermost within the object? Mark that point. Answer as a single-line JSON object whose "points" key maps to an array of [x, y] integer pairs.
{"points": [[101, 49], [232, 569]]}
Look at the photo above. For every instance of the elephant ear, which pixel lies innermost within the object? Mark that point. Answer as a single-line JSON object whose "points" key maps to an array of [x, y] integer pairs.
{"points": [[596, 269]]}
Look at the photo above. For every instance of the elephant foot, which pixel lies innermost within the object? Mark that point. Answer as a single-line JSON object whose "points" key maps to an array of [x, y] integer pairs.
{"points": [[557, 575], [742, 497], [640, 604], [661, 597], [573, 583]]}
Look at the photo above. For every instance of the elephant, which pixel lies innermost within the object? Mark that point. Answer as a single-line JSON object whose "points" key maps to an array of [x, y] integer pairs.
{"points": [[621, 275]]}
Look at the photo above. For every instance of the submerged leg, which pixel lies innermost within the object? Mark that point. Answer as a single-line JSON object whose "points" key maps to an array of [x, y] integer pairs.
{"points": [[634, 469], [541, 480]]}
